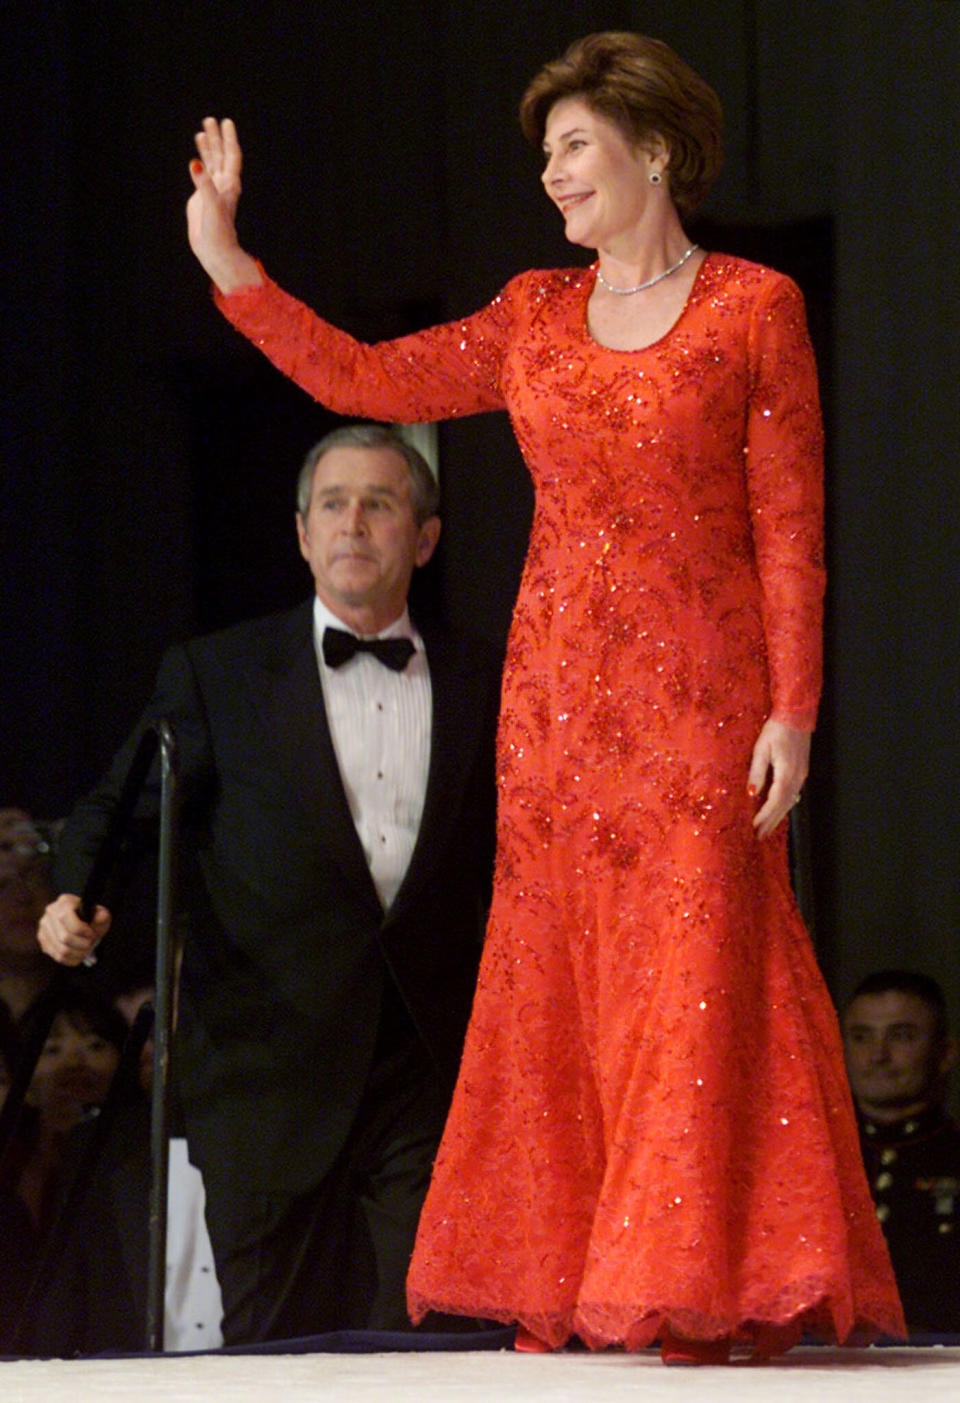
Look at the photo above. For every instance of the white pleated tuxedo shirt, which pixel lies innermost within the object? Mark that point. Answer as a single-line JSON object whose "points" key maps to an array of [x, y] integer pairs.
{"points": [[380, 722]]}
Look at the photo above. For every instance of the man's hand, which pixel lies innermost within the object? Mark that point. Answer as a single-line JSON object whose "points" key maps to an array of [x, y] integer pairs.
{"points": [[64, 936]]}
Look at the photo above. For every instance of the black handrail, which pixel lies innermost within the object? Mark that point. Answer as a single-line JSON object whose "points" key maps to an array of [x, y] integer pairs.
{"points": [[169, 951]]}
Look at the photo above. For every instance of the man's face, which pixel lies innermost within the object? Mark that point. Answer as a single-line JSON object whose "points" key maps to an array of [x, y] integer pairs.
{"points": [[359, 536], [895, 1061]]}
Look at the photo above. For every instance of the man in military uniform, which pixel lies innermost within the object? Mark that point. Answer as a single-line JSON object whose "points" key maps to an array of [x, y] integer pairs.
{"points": [[899, 1052]]}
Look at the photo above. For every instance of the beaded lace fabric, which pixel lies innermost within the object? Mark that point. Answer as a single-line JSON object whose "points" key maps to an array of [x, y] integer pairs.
{"points": [[652, 1124]]}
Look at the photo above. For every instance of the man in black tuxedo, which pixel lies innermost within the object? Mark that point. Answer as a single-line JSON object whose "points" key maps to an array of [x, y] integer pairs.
{"points": [[337, 850]]}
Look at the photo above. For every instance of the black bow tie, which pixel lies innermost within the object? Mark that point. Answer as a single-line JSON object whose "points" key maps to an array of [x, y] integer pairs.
{"points": [[339, 646]]}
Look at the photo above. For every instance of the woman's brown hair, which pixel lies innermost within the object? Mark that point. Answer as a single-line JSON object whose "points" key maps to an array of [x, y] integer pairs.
{"points": [[645, 89]]}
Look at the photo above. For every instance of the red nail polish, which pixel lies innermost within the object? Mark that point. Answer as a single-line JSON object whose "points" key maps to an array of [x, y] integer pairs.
{"points": [[751, 791], [197, 167]]}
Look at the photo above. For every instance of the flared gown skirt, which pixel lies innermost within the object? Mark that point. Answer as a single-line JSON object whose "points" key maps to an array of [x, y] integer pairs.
{"points": [[652, 1124]]}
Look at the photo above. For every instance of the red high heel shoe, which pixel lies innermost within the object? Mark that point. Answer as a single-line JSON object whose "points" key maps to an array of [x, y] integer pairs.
{"points": [[771, 1340], [525, 1343], [674, 1349]]}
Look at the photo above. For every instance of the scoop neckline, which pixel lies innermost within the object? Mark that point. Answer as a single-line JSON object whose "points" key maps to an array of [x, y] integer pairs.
{"points": [[589, 283]]}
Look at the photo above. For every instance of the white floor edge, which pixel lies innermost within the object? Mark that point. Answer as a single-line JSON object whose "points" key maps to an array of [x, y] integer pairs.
{"points": [[818, 1375]]}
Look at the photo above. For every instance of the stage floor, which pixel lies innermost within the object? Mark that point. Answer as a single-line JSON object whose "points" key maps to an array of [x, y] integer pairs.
{"points": [[819, 1375]]}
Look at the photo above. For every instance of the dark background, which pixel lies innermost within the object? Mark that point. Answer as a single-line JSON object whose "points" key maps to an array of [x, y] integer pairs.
{"points": [[149, 454]]}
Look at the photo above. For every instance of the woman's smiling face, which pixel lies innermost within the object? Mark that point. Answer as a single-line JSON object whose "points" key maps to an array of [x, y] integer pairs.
{"points": [[597, 180]]}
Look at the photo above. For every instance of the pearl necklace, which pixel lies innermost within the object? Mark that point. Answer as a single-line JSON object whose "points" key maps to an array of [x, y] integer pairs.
{"points": [[629, 291]]}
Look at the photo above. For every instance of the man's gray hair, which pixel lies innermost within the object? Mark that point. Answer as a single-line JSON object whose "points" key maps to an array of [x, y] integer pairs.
{"points": [[424, 489]]}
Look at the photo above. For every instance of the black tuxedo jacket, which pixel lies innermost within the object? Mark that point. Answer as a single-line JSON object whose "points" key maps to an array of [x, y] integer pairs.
{"points": [[288, 949]]}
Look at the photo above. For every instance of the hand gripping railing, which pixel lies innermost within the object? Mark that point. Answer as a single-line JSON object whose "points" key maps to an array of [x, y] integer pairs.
{"points": [[160, 1017]]}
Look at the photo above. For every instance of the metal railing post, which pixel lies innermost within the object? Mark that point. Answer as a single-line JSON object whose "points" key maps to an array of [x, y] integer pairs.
{"points": [[169, 950]]}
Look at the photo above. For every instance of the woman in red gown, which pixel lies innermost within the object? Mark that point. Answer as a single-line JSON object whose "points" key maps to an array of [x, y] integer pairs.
{"points": [[652, 1136]]}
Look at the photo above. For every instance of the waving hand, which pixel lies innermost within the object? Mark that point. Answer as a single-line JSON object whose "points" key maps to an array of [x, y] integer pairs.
{"points": [[212, 208]]}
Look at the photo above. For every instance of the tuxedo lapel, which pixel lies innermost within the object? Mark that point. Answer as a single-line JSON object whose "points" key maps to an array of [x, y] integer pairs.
{"points": [[456, 730], [292, 698]]}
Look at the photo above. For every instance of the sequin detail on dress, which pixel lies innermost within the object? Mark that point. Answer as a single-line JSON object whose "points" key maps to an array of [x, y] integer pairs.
{"points": [[652, 1122]]}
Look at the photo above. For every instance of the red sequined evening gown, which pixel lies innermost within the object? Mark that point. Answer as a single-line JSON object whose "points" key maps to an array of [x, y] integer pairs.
{"points": [[652, 1124]]}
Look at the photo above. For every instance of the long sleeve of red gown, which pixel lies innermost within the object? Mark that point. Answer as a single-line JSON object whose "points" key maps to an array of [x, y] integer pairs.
{"points": [[445, 372], [784, 465]]}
